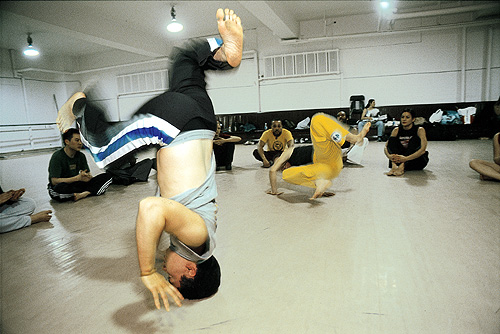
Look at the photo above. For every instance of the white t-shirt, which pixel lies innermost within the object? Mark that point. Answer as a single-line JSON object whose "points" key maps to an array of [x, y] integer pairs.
{"points": [[372, 112]]}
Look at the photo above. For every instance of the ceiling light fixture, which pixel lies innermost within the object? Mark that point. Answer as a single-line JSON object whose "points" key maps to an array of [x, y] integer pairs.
{"points": [[30, 50], [174, 26]]}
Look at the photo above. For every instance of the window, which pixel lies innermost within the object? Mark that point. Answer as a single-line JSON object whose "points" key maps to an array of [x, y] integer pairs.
{"points": [[300, 64], [142, 82]]}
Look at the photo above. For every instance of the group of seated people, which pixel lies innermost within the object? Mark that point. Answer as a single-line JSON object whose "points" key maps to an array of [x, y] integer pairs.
{"points": [[70, 178], [405, 148]]}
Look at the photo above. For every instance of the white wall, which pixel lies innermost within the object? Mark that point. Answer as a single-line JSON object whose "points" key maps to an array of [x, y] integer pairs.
{"points": [[414, 68], [434, 66]]}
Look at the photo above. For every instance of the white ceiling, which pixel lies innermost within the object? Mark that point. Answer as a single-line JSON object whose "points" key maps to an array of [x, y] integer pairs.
{"points": [[77, 28]]}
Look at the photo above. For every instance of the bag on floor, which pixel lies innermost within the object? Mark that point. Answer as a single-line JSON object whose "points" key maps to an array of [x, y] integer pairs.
{"points": [[138, 172], [436, 117], [451, 117], [303, 124]]}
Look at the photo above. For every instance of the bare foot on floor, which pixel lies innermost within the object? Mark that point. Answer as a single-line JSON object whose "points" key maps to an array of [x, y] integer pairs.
{"points": [[65, 116], [231, 31], [394, 167], [42, 216], [400, 170], [321, 186], [79, 196], [391, 172]]}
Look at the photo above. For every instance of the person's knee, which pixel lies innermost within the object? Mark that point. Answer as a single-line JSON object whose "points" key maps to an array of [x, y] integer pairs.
{"points": [[256, 155], [30, 204]]}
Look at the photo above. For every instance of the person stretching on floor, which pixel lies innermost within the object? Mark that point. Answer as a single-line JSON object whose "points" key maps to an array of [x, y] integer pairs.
{"points": [[182, 122], [327, 136], [489, 170], [406, 148]]}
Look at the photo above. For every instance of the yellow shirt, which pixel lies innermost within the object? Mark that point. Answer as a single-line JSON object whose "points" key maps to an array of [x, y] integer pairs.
{"points": [[276, 144]]}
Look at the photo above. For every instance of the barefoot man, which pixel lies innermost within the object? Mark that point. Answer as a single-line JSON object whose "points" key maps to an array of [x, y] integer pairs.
{"points": [[327, 136], [182, 122]]}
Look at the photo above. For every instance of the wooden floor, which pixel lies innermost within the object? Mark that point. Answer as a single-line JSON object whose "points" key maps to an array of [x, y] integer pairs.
{"points": [[415, 254]]}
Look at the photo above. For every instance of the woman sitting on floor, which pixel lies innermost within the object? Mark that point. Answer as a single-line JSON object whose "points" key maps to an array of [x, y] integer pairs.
{"points": [[489, 170], [406, 148]]}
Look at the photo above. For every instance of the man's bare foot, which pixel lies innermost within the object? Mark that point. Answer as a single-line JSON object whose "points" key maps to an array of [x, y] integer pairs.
{"points": [[364, 132], [42, 216], [65, 116], [79, 196], [485, 178], [321, 186], [359, 138], [231, 31]]}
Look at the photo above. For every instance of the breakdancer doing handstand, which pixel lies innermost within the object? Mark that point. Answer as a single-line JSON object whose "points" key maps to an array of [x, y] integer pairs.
{"points": [[183, 123]]}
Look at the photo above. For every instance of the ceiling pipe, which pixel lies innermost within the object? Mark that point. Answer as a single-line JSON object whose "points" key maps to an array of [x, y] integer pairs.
{"points": [[389, 32], [445, 11]]}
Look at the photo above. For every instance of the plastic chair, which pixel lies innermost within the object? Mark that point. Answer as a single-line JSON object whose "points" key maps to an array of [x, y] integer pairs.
{"points": [[356, 109]]}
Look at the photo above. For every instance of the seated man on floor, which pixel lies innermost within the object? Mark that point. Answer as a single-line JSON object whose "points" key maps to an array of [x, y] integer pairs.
{"points": [[69, 175], [279, 143], [224, 145]]}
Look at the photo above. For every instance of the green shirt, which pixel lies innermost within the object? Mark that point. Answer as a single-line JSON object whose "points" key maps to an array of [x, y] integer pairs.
{"points": [[62, 166]]}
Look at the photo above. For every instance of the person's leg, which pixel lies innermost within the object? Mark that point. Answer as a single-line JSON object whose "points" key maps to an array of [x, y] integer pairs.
{"points": [[380, 129], [361, 124], [229, 151], [256, 155], [220, 156], [16, 215], [64, 192], [414, 145], [99, 184], [327, 136], [394, 147], [487, 170], [418, 163], [159, 121], [302, 155]]}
